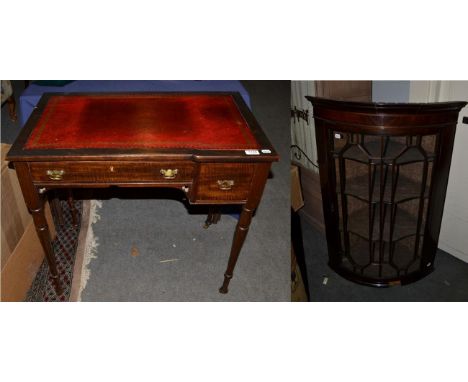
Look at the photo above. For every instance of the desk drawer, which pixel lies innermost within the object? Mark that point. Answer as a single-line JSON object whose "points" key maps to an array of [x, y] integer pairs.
{"points": [[66, 172], [224, 182]]}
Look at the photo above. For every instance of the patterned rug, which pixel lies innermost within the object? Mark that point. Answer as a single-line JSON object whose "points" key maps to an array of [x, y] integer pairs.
{"points": [[42, 288]]}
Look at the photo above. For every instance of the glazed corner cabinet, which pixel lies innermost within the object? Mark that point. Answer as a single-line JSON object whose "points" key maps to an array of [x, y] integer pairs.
{"points": [[383, 172]]}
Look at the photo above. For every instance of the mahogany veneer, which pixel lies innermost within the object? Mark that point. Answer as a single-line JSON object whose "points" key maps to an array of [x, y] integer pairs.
{"points": [[383, 171], [207, 144]]}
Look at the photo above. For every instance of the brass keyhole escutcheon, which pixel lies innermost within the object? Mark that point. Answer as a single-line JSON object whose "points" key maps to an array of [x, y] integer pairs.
{"points": [[55, 174], [168, 173], [225, 184]]}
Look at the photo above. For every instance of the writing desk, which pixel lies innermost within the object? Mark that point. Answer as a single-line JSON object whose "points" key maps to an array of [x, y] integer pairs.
{"points": [[208, 145]]}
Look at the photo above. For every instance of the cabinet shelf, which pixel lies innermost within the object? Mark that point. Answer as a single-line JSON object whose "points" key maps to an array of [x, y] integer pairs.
{"points": [[406, 189], [404, 224], [402, 262], [393, 152]]}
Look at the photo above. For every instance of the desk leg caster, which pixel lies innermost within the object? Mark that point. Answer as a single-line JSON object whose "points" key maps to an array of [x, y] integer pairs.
{"points": [[224, 287]]}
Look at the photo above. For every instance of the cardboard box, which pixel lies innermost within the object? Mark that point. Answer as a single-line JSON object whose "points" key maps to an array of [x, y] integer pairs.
{"points": [[21, 251], [311, 191], [297, 201]]}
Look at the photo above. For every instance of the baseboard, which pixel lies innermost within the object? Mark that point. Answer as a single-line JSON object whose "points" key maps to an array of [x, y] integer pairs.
{"points": [[454, 252]]}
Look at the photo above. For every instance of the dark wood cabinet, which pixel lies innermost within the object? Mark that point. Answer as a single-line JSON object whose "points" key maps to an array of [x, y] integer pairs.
{"points": [[383, 172]]}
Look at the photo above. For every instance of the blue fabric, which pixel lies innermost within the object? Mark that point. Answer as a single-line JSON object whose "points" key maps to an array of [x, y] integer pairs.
{"points": [[32, 94]]}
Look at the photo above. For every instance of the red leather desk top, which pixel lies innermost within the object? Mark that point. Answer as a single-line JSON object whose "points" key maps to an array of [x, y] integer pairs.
{"points": [[209, 122]]}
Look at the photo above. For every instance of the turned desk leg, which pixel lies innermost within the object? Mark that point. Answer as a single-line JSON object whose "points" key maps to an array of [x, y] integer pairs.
{"points": [[71, 205], [258, 184], [56, 208], [35, 201], [239, 237], [12, 108], [214, 215]]}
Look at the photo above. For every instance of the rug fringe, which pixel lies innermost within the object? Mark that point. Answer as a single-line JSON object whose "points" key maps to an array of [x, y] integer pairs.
{"points": [[91, 244]]}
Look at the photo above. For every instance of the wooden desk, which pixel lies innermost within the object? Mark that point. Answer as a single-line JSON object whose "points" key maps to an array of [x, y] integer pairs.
{"points": [[209, 145]]}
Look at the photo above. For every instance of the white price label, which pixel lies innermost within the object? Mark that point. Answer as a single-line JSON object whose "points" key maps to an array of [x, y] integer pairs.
{"points": [[252, 152]]}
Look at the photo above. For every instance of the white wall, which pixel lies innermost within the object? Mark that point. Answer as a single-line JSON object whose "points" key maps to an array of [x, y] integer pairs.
{"points": [[454, 231], [303, 133]]}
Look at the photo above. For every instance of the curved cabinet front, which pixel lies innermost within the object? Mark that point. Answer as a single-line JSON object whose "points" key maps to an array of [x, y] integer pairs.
{"points": [[383, 173]]}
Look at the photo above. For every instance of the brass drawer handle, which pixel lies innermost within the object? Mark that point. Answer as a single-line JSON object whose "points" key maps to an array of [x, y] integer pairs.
{"points": [[225, 184], [169, 173], [55, 174]]}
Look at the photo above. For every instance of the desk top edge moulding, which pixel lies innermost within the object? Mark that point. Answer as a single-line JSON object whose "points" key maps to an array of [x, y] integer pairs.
{"points": [[384, 171], [208, 145]]}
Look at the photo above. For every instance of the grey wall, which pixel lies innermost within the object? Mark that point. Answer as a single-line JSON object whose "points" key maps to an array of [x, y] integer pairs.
{"points": [[390, 91]]}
